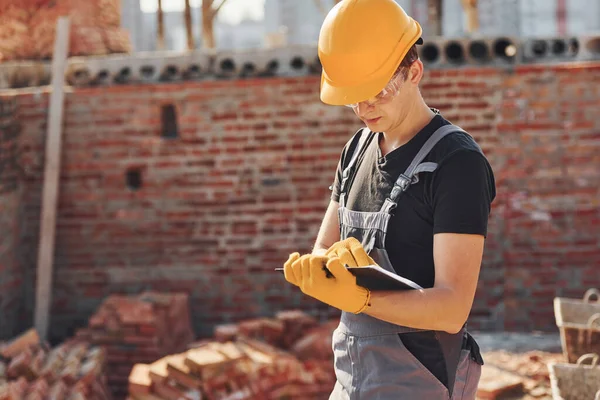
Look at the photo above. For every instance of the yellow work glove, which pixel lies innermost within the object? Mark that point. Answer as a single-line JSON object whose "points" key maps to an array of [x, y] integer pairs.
{"points": [[287, 267], [339, 291], [350, 252]]}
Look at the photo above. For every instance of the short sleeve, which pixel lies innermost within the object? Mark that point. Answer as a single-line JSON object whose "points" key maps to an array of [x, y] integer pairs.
{"points": [[463, 189], [337, 180]]}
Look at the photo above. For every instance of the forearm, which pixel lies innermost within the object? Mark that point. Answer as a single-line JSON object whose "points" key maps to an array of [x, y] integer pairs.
{"points": [[440, 309]]}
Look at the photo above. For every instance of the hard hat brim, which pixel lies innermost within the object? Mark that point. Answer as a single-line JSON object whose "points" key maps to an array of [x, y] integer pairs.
{"points": [[343, 95]]}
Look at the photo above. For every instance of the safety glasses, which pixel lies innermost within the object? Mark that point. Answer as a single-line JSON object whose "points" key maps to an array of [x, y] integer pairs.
{"points": [[390, 91]]}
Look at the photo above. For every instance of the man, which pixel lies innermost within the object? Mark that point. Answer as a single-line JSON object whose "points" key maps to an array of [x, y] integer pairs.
{"points": [[412, 194]]}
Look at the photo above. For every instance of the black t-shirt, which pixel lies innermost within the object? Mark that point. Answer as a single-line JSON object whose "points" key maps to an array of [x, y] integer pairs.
{"points": [[455, 198]]}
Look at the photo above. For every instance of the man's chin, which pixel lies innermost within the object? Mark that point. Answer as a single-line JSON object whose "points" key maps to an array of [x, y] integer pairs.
{"points": [[375, 125]]}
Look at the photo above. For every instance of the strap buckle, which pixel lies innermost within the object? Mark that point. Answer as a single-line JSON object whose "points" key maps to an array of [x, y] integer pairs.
{"points": [[403, 182]]}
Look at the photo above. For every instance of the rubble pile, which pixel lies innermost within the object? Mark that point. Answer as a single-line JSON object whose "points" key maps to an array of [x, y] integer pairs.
{"points": [[31, 370], [27, 28], [520, 376], [288, 356], [138, 329]]}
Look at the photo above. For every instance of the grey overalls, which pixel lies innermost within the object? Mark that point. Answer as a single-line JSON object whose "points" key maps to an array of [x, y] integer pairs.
{"points": [[371, 362]]}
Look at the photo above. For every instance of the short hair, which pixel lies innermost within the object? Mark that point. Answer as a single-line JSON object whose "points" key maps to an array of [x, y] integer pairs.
{"points": [[411, 56]]}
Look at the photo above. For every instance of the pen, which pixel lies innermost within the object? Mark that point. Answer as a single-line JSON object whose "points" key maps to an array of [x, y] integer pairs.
{"points": [[327, 273]]}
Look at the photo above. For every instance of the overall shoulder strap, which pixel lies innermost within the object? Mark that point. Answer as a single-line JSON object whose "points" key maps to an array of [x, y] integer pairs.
{"points": [[348, 172], [417, 166]]}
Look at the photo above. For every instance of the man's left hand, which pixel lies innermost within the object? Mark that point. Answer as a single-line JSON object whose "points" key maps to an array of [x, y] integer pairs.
{"points": [[350, 252]]}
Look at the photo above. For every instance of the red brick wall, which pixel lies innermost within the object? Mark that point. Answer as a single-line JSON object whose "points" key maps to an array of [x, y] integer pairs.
{"points": [[11, 271], [245, 184]]}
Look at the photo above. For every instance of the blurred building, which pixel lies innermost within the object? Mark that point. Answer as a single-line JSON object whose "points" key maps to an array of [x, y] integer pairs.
{"points": [[142, 26], [301, 19], [299, 22]]}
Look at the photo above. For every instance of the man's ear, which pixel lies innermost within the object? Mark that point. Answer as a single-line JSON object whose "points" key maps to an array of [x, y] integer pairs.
{"points": [[415, 73]]}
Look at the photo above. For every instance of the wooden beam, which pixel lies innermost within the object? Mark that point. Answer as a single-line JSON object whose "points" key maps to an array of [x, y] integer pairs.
{"points": [[160, 23], [434, 16], [188, 26], [470, 9], [43, 298]]}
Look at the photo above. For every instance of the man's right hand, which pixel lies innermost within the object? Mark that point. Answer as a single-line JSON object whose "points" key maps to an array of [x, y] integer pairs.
{"points": [[291, 266], [287, 268]]}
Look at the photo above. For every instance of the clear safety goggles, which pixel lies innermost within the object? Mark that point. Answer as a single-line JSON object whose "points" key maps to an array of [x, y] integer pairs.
{"points": [[388, 93]]}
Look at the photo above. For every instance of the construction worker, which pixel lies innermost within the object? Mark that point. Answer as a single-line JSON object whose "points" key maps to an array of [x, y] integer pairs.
{"points": [[412, 194]]}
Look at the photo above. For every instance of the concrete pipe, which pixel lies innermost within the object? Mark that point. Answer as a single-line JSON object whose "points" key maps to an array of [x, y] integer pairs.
{"points": [[228, 64], [479, 51], [297, 63], [193, 71], [102, 77], [430, 53], [271, 68], [170, 72], [20, 74], [590, 48], [504, 50], [147, 73], [78, 74], [123, 75], [299, 60], [544, 49], [454, 52]]}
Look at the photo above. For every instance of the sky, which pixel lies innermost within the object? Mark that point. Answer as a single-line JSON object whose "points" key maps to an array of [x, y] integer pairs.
{"points": [[232, 12]]}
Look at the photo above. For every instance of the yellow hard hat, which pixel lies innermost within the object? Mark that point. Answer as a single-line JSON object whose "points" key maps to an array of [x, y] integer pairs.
{"points": [[361, 44]]}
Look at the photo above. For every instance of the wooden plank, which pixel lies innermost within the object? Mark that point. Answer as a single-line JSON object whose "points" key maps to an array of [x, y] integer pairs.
{"points": [[45, 260]]}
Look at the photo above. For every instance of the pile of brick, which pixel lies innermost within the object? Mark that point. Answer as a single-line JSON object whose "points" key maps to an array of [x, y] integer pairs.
{"points": [[30, 370], [288, 356], [27, 28], [524, 376], [138, 329]]}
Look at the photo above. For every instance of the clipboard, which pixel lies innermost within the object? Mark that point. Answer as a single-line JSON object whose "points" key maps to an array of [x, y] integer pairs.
{"points": [[375, 278]]}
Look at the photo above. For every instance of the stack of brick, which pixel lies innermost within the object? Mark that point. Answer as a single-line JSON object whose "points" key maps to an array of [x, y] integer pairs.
{"points": [[294, 331], [138, 329], [288, 356], [243, 369], [282, 331], [27, 28], [31, 370]]}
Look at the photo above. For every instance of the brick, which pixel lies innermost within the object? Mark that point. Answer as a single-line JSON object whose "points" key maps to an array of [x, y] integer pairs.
{"points": [[25, 341], [496, 383]]}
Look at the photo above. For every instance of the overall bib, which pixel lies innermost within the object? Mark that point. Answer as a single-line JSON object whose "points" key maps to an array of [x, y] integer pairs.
{"points": [[371, 361]]}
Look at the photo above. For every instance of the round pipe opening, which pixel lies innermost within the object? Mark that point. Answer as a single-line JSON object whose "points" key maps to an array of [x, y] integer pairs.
{"points": [[124, 75], [248, 69], [194, 70], [430, 53], [558, 47], [170, 72], [479, 51], [147, 71], [539, 48], [297, 63], [505, 49], [102, 76], [574, 46], [227, 65], [455, 52], [272, 67]]}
